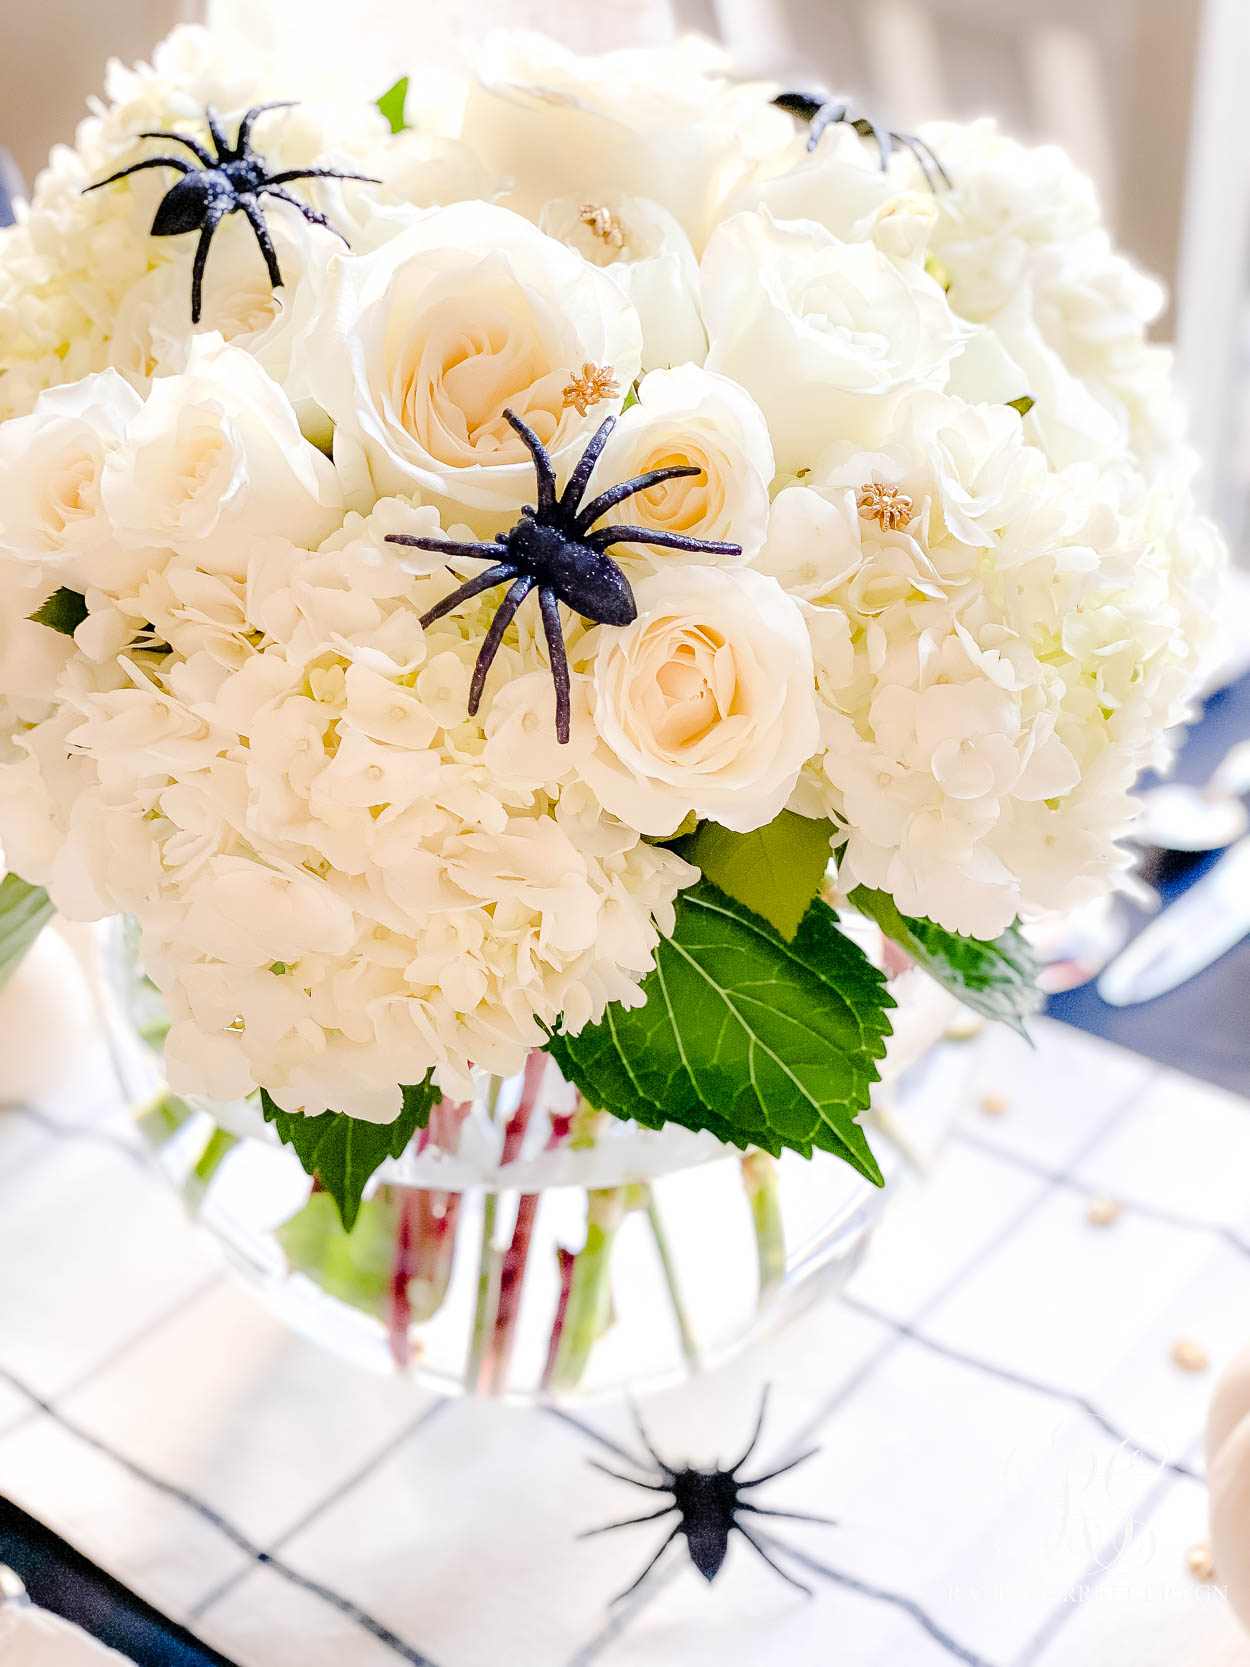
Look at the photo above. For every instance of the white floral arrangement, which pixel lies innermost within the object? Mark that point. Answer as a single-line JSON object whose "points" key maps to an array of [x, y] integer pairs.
{"points": [[947, 596]]}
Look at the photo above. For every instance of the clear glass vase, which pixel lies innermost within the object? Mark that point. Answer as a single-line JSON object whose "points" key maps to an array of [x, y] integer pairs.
{"points": [[525, 1245]]}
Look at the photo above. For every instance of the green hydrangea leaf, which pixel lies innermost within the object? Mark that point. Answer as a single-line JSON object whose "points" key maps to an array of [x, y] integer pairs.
{"points": [[392, 102], [762, 1041], [64, 611], [996, 978], [775, 870], [24, 912], [1023, 405], [343, 1152]]}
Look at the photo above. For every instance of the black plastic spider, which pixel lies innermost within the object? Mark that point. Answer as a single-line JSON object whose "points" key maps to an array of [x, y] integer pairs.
{"points": [[553, 549], [231, 182], [709, 1504], [821, 113]]}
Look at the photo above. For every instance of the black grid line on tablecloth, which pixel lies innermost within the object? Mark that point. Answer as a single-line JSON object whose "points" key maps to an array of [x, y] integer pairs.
{"points": [[1049, 1180], [215, 1519]]}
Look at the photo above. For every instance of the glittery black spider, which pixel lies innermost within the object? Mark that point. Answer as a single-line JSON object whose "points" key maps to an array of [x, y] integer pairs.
{"points": [[553, 549], [821, 113], [232, 181], [709, 1505]]}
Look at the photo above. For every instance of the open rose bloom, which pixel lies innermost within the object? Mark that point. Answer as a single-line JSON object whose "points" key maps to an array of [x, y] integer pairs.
{"points": [[959, 594]]}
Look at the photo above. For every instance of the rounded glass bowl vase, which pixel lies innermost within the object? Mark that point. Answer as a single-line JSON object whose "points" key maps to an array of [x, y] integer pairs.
{"points": [[524, 1245]]}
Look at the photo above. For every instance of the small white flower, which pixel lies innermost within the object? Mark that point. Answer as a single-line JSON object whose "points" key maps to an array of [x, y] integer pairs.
{"points": [[639, 244]]}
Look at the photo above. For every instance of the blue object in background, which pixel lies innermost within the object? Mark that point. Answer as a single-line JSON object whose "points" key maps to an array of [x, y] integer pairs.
{"points": [[1203, 1027], [60, 1580], [10, 186]]}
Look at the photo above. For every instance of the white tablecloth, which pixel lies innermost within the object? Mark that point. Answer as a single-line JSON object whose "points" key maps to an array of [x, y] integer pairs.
{"points": [[1012, 1455]]}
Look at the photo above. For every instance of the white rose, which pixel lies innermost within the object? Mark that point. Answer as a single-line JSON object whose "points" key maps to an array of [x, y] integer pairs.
{"points": [[692, 418], [818, 331], [428, 340], [705, 703], [668, 124], [215, 453], [51, 464], [639, 243], [153, 333]]}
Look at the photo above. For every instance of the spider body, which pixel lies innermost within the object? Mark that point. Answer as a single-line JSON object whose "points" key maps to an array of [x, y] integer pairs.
{"points": [[556, 549], [822, 113], [710, 1505], [231, 181]]}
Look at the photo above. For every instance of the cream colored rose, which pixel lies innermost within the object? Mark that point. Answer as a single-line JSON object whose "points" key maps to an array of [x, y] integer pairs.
{"points": [[692, 418], [215, 453], [704, 704], [428, 340], [671, 124], [152, 335], [820, 332], [51, 464]]}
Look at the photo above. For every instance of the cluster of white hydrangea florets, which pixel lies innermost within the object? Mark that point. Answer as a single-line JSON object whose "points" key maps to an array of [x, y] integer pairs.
{"points": [[958, 626]]}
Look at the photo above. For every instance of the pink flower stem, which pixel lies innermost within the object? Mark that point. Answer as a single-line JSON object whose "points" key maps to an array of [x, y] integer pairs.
{"points": [[512, 1274], [399, 1308]]}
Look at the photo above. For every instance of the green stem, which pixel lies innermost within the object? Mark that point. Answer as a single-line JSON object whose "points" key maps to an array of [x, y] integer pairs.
{"points": [[490, 1268], [195, 1187], [689, 1348], [490, 1272], [759, 1175], [160, 1117], [589, 1310]]}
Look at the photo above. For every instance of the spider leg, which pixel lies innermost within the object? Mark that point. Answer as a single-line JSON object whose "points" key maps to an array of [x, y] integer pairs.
{"points": [[652, 1487], [801, 105], [319, 173], [869, 129], [472, 587], [490, 643], [550, 608], [755, 1434], [542, 463], [256, 220], [829, 115], [627, 489], [225, 151], [575, 486], [306, 209], [634, 1585], [795, 1516], [445, 546], [664, 1469], [626, 1522], [919, 149], [245, 126], [212, 219], [603, 536], [775, 1566], [137, 167], [756, 1481], [193, 145]]}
